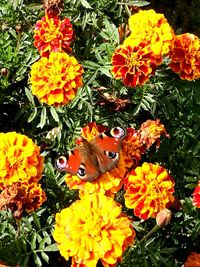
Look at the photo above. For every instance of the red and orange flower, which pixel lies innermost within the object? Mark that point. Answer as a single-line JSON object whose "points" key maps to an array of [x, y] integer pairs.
{"points": [[196, 196], [20, 159], [92, 229], [52, 34], [55, 80], [150, 132], [193, 260], [134, 64], [185, 56], [149, 189], [22, 196]]}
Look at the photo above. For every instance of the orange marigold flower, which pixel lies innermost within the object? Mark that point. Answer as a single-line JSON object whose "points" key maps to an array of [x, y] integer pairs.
{"points": [[185, 56], [55, 80], [52, 34], [152, 27], [134, 64], [108, 183], [22, 196], [149, 189], [150, 132], [93, 228], [193, 260], [90, 131], [20, 159], [196, 196], [132, 148]]}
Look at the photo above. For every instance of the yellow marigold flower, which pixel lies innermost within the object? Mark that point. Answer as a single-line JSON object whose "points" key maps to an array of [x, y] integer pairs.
{"points": [[20, 159], [150, 132], [108, 183], [152, 27], [134, 64], [22, 196], [196, 196], [185, 56], [132, 148], [193, 260], [93, 228], [52, 34], [149, 189], [55, 80]]}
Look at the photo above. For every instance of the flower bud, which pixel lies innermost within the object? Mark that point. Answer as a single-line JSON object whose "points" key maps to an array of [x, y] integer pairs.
{"points": [[4, 71], [163, 217]]}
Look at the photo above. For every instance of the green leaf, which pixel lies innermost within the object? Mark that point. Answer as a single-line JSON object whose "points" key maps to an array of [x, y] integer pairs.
{"points": [[54, 114], [33, 240], [29, 96], [52, 247], [37, 260], [33, 115], [85, 4], [42, 118], [45, 257]]}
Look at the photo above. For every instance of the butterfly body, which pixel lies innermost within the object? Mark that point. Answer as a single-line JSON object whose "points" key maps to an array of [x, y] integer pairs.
{"points": [[93, 158]]}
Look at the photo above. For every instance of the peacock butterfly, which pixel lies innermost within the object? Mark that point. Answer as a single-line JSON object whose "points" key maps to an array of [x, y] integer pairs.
{"points": [[93, 158]]}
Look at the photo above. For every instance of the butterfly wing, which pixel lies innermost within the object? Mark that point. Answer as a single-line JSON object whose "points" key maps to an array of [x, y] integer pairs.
{"points": [[107, 147], [80, 162]]}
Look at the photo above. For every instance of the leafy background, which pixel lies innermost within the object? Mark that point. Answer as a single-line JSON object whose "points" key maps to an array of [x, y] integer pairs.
{"points": [[175, 102]]}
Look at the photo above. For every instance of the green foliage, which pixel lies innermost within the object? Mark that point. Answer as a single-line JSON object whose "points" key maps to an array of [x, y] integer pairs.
{"points": [[175, 102]]}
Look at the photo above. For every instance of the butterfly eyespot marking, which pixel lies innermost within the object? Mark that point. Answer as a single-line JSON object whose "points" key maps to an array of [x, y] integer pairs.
{"points": [[117, 132], [112, 155], [81, 173], [61, 163]]}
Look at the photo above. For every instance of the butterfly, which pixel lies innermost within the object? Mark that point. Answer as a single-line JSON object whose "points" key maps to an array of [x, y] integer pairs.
{"points": [[93, 158]]}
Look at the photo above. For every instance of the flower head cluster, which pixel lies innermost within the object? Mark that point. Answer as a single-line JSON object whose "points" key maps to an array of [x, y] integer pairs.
{"points": [[52, 34], [152, 27], [55, 80], [20, 159], [196, 196], [22, 196], [193, 260], [134, 63], [150, 132], [185, 56], [149, 189], [53, 7], [93, 229]]}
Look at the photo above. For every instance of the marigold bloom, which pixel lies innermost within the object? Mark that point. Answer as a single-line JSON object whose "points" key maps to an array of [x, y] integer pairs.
{"points": [[52, 34], [196, 196], [149, 189], [150, 132], [134, 64], [20, 159], [193, 260], [152, 27], [22, 196], [132, 148], [53, 7], [185, 56], [93, 228], [55, 80]]}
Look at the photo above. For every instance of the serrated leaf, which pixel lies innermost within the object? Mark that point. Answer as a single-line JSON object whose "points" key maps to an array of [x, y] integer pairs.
{"points": [[37, 260], [54, 114], [33, 240], [42, 118], [52, 247], [29, 96], [45, 257], [90, 65], [85, 4], [33, 115], [42, 242]]}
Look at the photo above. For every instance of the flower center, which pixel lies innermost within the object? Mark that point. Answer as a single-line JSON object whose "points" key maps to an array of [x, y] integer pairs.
{"points": [[132, 60], [93, 226]]}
